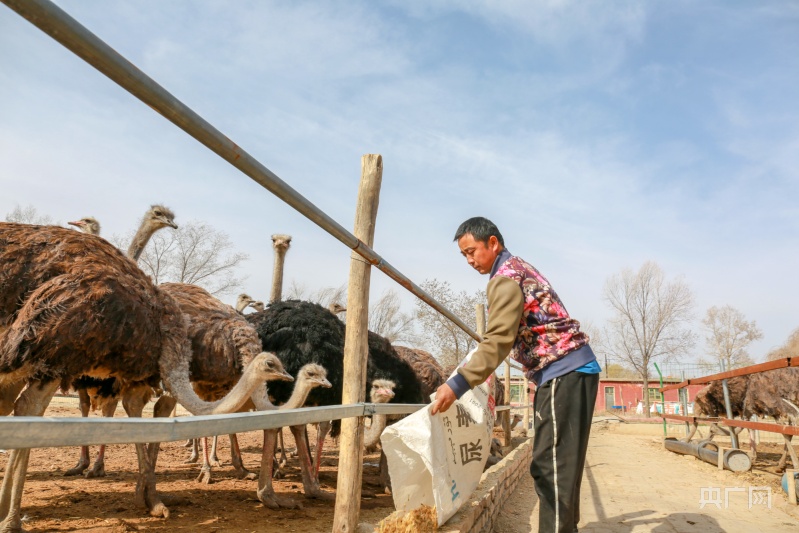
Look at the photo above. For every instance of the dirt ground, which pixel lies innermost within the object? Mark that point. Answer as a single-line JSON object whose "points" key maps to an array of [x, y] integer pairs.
{"points": [[52, 502], [631, 485]]}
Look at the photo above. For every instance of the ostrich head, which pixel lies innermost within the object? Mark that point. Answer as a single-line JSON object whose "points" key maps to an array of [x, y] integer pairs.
{"points": [[243, 301], [269, 368], [336, 308], [281, 242], [158, 217], [313, 375], [87, 225], [258, 306], [382, 391]]}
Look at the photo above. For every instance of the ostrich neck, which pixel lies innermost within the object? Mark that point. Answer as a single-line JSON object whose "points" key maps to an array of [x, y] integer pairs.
{"points": [[298, 395], [277, 275], [373, 432], [139, 241], [178, 382]]}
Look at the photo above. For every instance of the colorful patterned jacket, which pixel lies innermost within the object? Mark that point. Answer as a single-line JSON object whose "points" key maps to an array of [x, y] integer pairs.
{"points": [[546, 332]]}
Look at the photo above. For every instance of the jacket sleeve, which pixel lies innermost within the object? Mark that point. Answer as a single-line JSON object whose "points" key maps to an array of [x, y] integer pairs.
{"points": [[505, 304]]}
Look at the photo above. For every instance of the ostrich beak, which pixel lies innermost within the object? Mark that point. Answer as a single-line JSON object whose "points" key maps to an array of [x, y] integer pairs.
{"points": [[324, 383], [170, 223], [77, 223], [285, 376], [387, 392]]}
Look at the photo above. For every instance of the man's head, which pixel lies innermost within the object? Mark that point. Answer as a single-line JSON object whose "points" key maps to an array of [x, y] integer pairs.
{"points": [[480, 243]]}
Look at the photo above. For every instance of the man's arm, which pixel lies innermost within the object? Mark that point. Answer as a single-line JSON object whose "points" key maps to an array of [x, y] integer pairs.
{"points": [[506, 303]]}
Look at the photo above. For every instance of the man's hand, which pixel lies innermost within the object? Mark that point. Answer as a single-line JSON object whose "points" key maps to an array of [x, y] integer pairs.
{"points": [[444, 399]]}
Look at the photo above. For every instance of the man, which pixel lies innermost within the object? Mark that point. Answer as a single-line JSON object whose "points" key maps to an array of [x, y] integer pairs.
{"points": [[527, 320]]}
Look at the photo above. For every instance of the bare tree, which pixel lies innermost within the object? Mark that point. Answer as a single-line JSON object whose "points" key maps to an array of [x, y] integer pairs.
{"points": [[728, 335], [28, 215], [448, 340], [387, 319], [789, 349], [650, 321], [194, 253]]}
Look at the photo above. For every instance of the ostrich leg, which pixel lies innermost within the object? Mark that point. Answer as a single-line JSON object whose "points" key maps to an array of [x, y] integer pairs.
{"points": [[266, 493], [321, 434], [194, 444], [214, 459], [146, 496], [83, 462], [98, 468], [8, 395], [205, 470], [235, 458], [310, 478], [32, 402]]}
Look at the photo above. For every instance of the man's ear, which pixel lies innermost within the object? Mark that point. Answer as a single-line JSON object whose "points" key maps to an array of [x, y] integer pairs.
{"points": [[493, 243]]}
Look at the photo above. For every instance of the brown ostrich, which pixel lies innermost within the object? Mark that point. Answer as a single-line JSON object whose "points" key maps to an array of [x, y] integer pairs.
{"points": [[429, 371], [88, 225], [223, 342], [309, 377], [766, 394], [73, 305], [98, 394], [242, 302]]}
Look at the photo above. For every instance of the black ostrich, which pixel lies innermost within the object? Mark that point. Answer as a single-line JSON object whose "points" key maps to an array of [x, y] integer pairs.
{"points": [[299, 333]]}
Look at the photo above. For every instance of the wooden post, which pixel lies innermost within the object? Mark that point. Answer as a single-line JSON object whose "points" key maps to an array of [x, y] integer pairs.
{"points": [[721, 457], [526, 419], [356, 351], [789, 474], [480, 312]]}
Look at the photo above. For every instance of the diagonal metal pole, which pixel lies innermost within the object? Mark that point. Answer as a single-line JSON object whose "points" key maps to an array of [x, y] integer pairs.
{"points": [[71, 34]]}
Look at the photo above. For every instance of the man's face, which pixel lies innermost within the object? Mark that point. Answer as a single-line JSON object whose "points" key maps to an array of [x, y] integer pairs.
{"points": [[480, 255]]}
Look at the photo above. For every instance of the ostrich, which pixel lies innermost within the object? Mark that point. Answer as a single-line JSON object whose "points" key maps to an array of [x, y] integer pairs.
{"points": [[88, 225], [223, 342], [258, 306], [242, 302], [309, 377], [429, 371], [74, 305], [281, 244], [774, 393], [103, 395], [157, 217], [382, 392], [766, 394], [303, 332]]}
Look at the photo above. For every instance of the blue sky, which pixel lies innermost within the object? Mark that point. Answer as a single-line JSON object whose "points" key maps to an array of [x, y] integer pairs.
{"points": [[596, 135]]}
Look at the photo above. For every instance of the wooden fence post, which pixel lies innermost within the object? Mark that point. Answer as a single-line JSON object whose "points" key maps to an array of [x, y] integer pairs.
{"points": [[356, 351]]}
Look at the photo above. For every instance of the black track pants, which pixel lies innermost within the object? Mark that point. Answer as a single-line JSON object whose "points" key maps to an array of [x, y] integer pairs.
{"points": [[563, 409]]}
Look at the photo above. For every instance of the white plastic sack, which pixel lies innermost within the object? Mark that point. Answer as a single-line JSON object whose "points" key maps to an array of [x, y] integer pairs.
{"points": [[438, 460]]}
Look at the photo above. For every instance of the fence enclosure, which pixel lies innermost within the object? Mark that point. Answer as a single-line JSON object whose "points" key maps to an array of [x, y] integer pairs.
{"points": [[31, 432]]}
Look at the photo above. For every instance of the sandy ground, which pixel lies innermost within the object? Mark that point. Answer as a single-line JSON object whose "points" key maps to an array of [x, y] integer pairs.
{"points": [[631, 485], [53, 503]]}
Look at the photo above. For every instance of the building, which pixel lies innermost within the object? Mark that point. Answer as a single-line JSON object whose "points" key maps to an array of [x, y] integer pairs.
{"points": [[622, 395]]}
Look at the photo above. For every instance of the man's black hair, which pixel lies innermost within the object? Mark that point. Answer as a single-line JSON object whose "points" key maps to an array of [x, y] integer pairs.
{"points": [[481, 229]]}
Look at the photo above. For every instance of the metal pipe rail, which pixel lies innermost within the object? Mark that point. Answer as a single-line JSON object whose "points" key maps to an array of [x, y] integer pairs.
{"points": [[782, 429], [743, 371], [71, 34], [49, 432]]}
